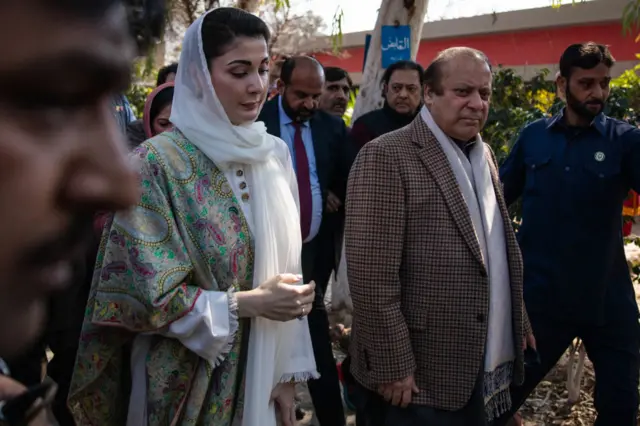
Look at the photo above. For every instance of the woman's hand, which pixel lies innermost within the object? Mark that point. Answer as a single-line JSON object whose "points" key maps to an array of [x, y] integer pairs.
{"points": [[280, 298], [283, 395]]}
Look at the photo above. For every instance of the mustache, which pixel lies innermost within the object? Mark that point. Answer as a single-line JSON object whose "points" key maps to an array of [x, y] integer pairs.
{"points": [[77, 235], [595, 102], [340, 103], [305, 111]]}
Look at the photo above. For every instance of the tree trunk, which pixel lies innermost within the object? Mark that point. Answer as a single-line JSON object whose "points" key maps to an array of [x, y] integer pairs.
{"points": [[392, 12]]}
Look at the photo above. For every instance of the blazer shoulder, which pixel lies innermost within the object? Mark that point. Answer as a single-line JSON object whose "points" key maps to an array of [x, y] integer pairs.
{"points": [[329, 119], [371, 115], [390, 143], [396, 138]]}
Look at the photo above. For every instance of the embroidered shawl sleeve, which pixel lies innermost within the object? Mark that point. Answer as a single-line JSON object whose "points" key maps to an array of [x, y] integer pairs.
{"points": [[145, 272]]}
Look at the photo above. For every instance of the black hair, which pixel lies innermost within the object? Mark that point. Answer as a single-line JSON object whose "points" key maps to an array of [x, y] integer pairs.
{"points": [[332, 74], [586, 56], [164, 73], [286, 72], [146, 17], [224, 24], [402, 65], [162, 99], [433, 74]]}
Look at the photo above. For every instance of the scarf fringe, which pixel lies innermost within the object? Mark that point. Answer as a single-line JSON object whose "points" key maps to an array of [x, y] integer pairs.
{"points": [[497, 398], [300, 377], [234, 325]]}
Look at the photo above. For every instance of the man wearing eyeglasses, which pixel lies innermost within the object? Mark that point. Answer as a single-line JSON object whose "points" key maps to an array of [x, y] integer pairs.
{"points": [[402, 86]]}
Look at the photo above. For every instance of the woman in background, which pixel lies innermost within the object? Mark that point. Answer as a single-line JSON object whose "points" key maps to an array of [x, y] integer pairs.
{"points": [[192, 314], [156, 117]]}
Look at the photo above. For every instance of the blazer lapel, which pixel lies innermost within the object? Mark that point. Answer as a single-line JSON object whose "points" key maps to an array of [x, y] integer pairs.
{"points": [[438, 166]]}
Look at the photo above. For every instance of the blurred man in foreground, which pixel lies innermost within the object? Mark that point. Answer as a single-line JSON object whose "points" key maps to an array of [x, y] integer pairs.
{"points": [[62, 157]]}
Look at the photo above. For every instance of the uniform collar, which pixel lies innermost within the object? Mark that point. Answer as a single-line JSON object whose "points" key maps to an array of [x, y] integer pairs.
{"points": [[599, 122]]}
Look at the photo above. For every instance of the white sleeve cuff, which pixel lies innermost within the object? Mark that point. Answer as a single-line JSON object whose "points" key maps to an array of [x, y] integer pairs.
{"points": [[209, 329]]}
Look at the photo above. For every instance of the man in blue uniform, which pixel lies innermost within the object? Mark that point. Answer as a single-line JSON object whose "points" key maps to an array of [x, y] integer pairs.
{"points": [[573, 172]]}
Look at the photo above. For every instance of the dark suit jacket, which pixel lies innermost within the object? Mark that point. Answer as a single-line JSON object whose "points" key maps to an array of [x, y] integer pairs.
{"points": [[334, 155], [332, 148], [418, 283]]}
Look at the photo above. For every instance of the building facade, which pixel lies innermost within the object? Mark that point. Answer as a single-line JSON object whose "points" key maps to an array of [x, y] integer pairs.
{"points": [[525, 40]]}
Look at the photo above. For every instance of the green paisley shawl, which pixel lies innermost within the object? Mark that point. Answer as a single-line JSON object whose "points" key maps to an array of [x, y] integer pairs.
{"points": [[187, 234]]}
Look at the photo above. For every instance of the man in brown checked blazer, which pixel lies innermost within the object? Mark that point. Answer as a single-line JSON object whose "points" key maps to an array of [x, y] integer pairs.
{"points": [[439, 325]]}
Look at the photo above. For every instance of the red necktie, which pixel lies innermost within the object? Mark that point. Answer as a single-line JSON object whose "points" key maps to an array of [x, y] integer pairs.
{"points": [[304, 182]]}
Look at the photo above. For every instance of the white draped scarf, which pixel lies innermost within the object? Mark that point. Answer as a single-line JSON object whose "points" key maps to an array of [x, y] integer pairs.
{"points": [[278, 351], [475, 183]]}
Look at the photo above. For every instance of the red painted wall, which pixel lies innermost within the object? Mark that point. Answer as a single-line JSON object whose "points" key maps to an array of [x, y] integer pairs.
{"points": [[515, 48]]}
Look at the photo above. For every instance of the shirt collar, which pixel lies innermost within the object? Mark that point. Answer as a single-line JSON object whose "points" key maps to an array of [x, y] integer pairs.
{"points": [[284, 117], [599, 122]]}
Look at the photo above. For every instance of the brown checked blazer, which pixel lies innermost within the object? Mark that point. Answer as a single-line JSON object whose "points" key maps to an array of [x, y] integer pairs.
{"points": [[418, 283]]}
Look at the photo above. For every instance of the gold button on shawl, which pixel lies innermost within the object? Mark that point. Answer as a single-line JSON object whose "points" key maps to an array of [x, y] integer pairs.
{"points": [[245, 197], [243, 185], [239, 173]]}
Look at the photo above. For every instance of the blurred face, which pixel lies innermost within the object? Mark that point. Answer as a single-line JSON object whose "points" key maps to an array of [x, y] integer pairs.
{"points": [[240, 78], [171, 77], [62, 158], [586, 91], [335, 97], [461, 107], [301, 98], [161, 123], [403, 91]]}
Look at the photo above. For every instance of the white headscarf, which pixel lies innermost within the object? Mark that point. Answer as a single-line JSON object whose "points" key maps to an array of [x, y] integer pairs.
{"points": [[277, 351]]}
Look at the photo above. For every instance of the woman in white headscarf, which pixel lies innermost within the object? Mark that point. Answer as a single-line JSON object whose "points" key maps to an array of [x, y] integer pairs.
{"points": [[197, 310]]}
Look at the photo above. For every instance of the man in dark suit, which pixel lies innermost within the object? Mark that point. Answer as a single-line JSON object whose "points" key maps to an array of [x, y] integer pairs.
{"points": [[320, 152]]}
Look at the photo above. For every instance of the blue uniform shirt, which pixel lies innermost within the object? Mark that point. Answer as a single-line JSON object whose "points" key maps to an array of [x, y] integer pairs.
{"points": [[573, 182]]}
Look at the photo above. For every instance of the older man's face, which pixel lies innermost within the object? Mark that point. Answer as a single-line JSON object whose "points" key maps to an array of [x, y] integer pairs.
{"points": [[461, 106], [61, 156], [403, 93]]}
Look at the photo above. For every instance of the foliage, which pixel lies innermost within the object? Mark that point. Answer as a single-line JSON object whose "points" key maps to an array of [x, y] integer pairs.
{"points": [[144, 76], [352, 103], [290, 31], [185, 12], [631, 18]]}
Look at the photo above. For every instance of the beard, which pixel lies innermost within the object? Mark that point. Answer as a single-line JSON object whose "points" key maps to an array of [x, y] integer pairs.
{"points": [[582, 108], [299, 115]]}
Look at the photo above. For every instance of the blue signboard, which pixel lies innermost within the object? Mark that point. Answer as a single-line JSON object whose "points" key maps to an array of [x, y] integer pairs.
{"points": [[396, 44]]}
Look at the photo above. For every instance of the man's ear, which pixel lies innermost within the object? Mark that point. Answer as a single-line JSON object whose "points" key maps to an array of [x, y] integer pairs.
{"points": [[281, 86], [428, 95], [561, 86]]}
